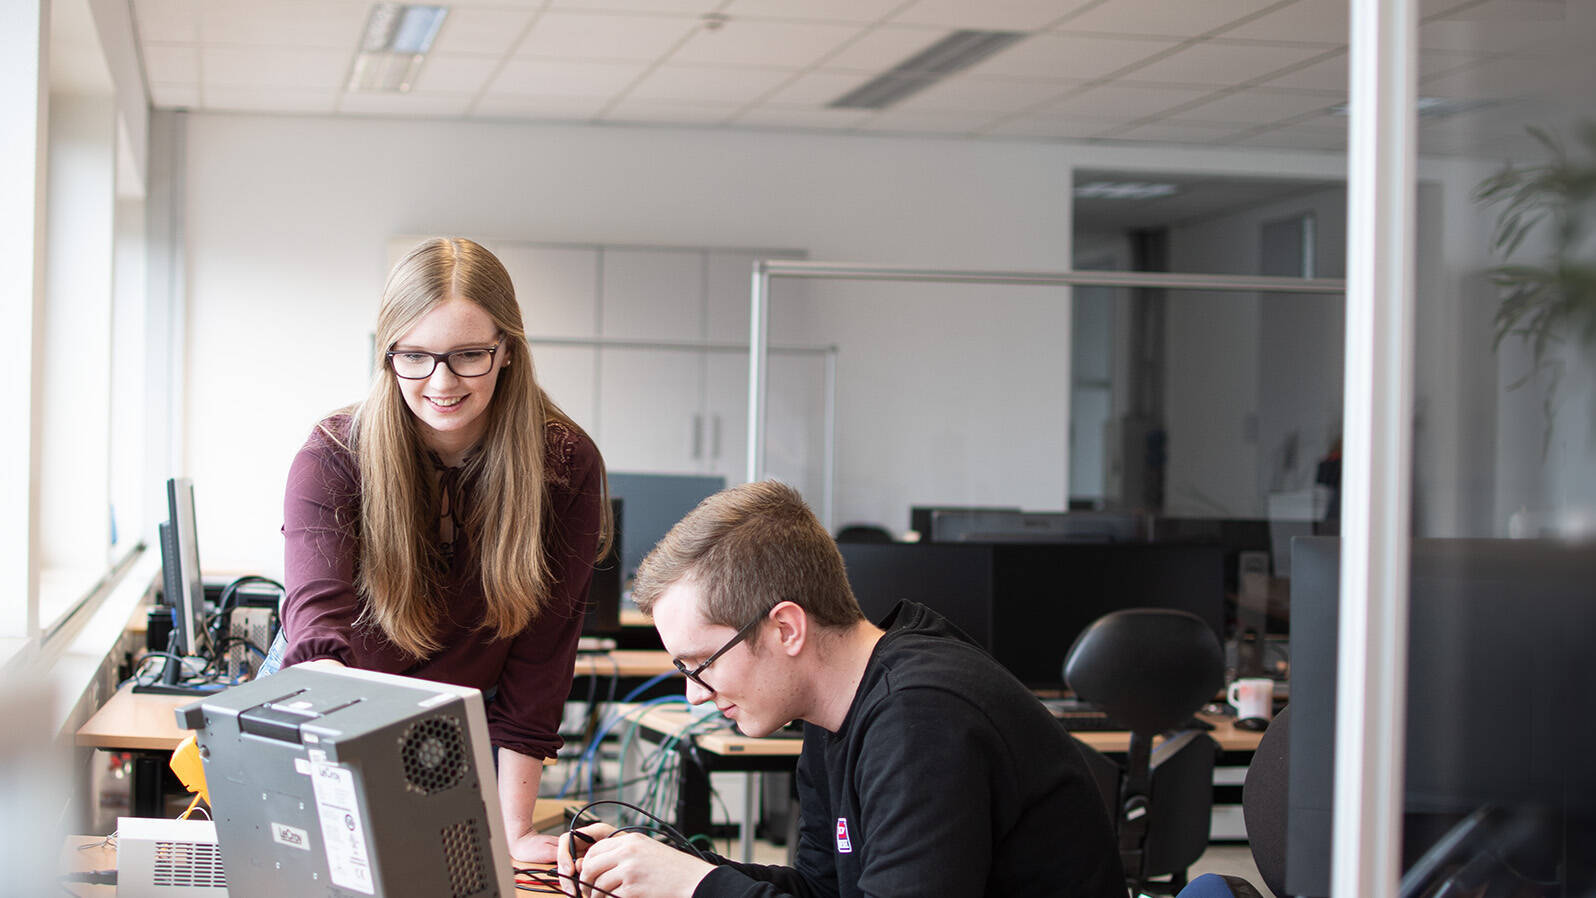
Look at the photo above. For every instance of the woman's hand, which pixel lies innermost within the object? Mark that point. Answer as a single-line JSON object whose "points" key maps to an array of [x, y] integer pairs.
{"points": [[534, 848], [575, 844]]}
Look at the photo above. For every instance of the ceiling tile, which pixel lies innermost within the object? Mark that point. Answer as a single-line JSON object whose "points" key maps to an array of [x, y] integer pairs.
{"points": [[273, 99], [683, 7], [748, 42], [171, 65], [1258, 106], [1500, 78], [908, 121], [1162, 18], [1326, 74], [657, 112], [817, 88], [415, 103], [269, 67], [1490, 27], [574, 35], [1054, 126], [167, 21], [1050, 55], [564, 78], [685, 84], [563, 109], [174, 96], [1297, 138], [1305, 21], [814, 10], [488, 31], [803, 117], [1175, 132], [284, 23], [996, 15], [879, 49], [1125, 101], [1217, 63], [442, 73], [998, 95]]}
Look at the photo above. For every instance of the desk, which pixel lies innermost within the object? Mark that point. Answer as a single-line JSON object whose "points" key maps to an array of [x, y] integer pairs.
{"points": [[726, 750], [145, 725]]}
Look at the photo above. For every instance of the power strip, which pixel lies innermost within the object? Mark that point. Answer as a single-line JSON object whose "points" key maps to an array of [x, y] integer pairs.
{"points": [[159, 858]]}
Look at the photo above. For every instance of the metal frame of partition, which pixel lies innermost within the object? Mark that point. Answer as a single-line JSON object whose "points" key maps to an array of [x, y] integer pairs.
{"points": [[759, 315], [829, 354]]}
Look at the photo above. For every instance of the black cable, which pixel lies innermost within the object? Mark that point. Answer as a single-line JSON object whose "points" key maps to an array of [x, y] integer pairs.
{"points": [[679, 841], [556, 886]]}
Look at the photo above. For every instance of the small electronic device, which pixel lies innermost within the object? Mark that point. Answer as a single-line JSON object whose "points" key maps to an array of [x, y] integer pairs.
{"points": [[350, 782], [158, 858]]}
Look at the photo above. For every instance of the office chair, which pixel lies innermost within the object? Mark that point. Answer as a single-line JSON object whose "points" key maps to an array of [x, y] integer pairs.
{"points": [[864, 533], [1263, 807], [1152, 669]]}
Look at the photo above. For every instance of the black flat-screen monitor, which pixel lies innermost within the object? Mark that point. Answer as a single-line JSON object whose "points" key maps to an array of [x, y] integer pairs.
{"points": [[979, 526], [654, 503], [1045, 595], [920, 515], [953, 580], [183, 589], [1500, 705], [603, 616]]}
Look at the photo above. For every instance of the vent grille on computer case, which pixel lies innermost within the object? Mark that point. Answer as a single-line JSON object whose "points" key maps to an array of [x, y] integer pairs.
{"points": [[188, 865], [462, 851], [434, 755]]}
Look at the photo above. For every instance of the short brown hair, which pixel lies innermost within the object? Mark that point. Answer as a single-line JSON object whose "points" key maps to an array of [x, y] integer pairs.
{"points": [[748, 548]]}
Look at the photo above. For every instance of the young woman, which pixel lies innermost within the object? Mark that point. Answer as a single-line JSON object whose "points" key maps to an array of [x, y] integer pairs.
{"points": [[446, 527]]}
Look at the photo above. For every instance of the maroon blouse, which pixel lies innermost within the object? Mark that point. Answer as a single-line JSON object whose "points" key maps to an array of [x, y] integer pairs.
{"points": [[531, 671]]}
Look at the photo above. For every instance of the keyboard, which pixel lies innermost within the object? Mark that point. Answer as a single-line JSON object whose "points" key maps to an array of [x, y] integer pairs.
{"points": [[1080, 718]]}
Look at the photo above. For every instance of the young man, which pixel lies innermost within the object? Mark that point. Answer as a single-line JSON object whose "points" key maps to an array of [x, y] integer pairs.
{"points": [[927, 769]]}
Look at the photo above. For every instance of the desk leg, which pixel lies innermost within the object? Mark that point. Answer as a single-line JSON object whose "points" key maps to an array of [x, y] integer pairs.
{"points": [[745, 835], [149, 795], [692, 794]]}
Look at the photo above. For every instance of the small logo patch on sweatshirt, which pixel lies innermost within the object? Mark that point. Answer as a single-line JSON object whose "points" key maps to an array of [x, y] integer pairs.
{"points": [[844, 844]]}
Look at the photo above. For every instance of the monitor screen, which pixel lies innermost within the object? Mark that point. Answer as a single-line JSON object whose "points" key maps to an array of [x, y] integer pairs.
{"points": [[603, 616], [1497, 685], [188, 602], [351, 782], [1045, 595], [979, 526], [953, 580], [654, 503]]}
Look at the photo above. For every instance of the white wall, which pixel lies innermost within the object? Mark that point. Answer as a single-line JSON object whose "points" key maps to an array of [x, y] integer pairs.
{"points": [[287, 221]]}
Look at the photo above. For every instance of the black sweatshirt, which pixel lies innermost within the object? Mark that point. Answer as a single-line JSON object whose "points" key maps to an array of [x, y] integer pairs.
{"points": [[948, 777]]}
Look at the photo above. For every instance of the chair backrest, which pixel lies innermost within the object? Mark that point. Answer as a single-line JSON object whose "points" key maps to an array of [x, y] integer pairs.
{"points": [[1263, 802], [1151, 668]]}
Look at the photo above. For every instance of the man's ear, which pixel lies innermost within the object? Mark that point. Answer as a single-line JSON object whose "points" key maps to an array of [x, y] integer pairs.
{"points": [[792, 627]]}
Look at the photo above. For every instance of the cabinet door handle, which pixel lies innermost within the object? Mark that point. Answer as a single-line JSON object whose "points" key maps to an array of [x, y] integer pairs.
{"points": [[715, 438], [698, 436]]}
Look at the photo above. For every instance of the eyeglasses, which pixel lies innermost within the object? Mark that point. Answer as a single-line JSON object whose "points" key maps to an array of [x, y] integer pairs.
{"points": [[418, 364], [742, 634]]}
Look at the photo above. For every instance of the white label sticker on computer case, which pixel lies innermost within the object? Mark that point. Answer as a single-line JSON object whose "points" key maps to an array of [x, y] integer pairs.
{"points": [[293, 837], [343, 832]]}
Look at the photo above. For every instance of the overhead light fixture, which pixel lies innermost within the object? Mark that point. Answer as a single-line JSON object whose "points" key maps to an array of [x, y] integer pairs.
{"points": [[394, 45], [954, 53], [1123, 190]]}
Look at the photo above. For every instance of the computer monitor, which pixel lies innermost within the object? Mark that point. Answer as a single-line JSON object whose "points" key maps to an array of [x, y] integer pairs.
{"points": [[920, 515], [1045, 595], [654, 503], [1499, 704], [1036, 527], [603, 616], [183, 590], [953, 580], [351, 782]]}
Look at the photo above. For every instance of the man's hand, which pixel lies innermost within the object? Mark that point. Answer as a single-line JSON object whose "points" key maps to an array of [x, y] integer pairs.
{"points": [[534, 848], [630, 863]]}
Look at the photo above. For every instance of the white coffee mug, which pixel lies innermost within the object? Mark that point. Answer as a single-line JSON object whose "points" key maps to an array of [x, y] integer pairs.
{"points": [[1252, 697]]}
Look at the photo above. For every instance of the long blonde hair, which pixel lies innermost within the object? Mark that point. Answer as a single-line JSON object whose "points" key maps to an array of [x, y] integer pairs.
{"points": [[508, 524]]}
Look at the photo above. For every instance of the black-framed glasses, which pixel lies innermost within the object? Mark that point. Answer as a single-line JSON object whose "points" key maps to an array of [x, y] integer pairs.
{"points": [[742, 634], [418, 364]]}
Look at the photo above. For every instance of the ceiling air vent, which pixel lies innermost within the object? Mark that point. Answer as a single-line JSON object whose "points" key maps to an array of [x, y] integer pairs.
{"points": [[954, 53]]}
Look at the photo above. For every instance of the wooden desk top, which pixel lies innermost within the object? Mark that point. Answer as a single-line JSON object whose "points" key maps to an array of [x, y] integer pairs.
{"points": [[625, 663], [729, 742], [135, 722]]}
